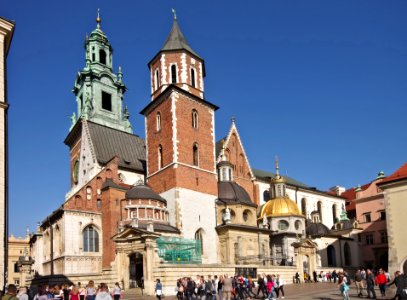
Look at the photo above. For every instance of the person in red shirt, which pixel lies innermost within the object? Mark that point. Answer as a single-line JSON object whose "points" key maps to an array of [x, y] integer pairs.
{"points": [[381, 280]]}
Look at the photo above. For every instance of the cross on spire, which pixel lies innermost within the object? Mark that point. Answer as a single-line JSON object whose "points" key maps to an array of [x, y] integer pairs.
{"points": [[175, 14], [98, 19]]}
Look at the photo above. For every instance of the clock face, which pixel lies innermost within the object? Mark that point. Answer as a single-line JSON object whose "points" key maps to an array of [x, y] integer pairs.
{"points": [[75, 171]]}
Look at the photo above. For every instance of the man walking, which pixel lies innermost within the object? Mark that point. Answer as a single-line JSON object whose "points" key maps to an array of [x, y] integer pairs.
{"points": [[359, 283], [370, 281]]}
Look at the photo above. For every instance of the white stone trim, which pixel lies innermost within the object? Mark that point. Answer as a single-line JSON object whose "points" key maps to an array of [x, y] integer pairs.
{"points": [[233, 129], [174, 98]]}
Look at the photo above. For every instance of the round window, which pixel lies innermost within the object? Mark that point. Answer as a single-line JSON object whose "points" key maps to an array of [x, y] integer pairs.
{"points": [[297, 225], [283, 225]]}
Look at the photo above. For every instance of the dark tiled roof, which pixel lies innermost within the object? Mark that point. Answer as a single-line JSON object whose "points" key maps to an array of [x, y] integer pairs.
{"points": [[177, 41], [231, 192], [109, 142], [143, 192], [109, 183], [315, 229], [264, 175], [159, 227]]}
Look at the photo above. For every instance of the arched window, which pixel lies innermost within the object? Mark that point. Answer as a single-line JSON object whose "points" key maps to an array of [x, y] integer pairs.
{"points": [[304, 207], [160, 157], [334, 217], [194, 119], [320, 210], [199, 237], [88, 193], [331, 253], [156, 80], [347, 254], [102, 56], [266, 195], [90, 240], [193, 84], [158, 121], [195, 153], [173, 74], [241, 167]]}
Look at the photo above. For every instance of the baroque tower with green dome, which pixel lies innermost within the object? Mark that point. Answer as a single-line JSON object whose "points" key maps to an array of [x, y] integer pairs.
{"points": [[98, 90]]}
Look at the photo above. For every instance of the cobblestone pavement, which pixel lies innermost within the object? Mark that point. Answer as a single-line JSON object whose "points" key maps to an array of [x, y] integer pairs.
{"points": [[306, 291]]}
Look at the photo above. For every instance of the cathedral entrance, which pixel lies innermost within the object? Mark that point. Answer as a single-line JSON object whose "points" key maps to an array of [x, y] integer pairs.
{"points": [[305, 264], [136, 278]]}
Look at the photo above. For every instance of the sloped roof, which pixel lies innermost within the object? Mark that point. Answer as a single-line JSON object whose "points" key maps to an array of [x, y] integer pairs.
{"points": [[401, 173], [231, 192], [177, 41], [143, 192], [263, 175], [350, 194], [109, 142]]}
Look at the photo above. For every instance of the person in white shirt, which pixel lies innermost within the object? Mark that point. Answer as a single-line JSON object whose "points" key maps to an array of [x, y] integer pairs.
{"points": [[280, 286]]}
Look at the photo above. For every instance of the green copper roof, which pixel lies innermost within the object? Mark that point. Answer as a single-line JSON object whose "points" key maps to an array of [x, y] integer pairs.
{"points": [[177, 41]]}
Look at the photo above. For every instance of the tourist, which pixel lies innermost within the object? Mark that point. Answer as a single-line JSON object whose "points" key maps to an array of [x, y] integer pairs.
{"points": [[50, 292], [158, 289], [370, 281], [74, 293], [315, 276], [250, 286], [190, 290], [381, 280], [220, 287], [210, 288], [180, 289], [343, 286], [359, 283], [280, 286], [41, 293], [227, 288], [65, 291], [58, 293], [297, 278], [334, 276], [117, 291], [261, 282], [270, 287], [398, 281], [103, 294], [90, 291], [22, 293], [82, 291], [11, 293]]}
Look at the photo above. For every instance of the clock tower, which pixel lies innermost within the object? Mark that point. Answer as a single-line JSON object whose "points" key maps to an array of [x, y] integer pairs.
{"points": [[180, 140], [99, 97]]}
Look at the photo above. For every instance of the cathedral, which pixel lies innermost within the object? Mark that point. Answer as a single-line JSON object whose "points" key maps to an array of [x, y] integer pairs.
{"points": [[178, 202]]}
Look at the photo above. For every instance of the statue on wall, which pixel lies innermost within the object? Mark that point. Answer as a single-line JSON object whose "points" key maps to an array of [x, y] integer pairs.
{"points": [[227, 216], [265, 223]]}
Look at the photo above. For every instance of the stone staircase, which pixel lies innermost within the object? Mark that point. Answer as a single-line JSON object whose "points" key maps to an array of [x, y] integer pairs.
{"points": [[132, 293]]}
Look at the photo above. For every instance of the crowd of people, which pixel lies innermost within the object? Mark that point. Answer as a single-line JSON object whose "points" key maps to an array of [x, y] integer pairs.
{"points": [[65, 292], [227, 287]]}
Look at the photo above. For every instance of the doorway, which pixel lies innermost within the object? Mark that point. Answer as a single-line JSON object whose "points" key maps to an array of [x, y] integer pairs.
{"points": [[136, 270]]}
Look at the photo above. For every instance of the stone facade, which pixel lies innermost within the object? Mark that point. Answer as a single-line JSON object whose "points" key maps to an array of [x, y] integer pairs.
{"points": [[18, 247], [395, 194], [6, 34]]}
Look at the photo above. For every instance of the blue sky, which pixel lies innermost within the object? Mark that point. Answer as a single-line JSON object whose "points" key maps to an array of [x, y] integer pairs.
{"points": [[322, 84]]}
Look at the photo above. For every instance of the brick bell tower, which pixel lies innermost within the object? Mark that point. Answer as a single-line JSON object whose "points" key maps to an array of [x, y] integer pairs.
{"points": [[180, 140]]}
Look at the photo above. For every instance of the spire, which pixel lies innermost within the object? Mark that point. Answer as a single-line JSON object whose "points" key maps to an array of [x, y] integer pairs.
{"points": [[176, 40], [98, 19], [277, 167]]}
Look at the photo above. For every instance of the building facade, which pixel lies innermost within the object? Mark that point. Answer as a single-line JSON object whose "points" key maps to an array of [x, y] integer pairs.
{"points": [[395, 195], [6, 34], [139, 209], [368, 203], [18, 251]]}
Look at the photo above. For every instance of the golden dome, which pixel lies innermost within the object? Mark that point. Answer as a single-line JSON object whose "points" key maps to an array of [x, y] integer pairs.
{"points": [[279, 207]]}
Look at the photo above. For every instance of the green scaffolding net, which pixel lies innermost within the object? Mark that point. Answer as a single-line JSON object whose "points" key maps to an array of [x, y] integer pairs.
{"points": [[179, 251]]}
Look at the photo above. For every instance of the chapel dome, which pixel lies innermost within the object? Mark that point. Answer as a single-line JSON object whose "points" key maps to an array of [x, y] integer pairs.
{"points": [[277, 207], [316, 229], [143, 192], [232, 193]]}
